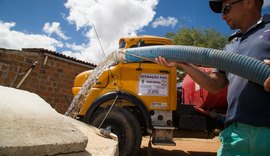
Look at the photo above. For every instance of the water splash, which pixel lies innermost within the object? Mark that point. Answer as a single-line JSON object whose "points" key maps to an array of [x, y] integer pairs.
{"points": [[80, 98]]}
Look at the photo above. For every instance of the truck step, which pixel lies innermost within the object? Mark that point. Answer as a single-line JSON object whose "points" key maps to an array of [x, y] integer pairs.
{"points": [[164, 127], [163, 142], [163, 135]]}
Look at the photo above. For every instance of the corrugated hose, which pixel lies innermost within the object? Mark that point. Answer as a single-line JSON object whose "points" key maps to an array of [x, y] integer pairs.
{"points": [[250, 68]]}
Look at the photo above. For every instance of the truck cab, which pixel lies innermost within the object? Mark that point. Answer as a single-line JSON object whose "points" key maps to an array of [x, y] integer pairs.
{"points": [[136, 99]]}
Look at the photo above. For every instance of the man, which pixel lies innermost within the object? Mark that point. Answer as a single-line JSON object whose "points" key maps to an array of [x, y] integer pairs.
{"points": [[247, 122]]}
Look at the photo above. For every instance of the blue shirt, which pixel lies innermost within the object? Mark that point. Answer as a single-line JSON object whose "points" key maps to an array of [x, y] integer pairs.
{"points": [[248, 102]]}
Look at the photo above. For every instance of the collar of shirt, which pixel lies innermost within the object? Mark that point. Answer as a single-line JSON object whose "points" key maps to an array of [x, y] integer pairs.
{"points": [[264, 19]]}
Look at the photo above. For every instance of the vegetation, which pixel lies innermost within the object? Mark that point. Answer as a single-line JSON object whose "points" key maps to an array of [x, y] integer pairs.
{"points": [[208, 38]]}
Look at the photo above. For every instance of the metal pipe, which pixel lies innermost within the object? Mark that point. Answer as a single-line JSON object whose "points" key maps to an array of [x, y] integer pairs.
{"points": [[27, 73], [45, 60]]}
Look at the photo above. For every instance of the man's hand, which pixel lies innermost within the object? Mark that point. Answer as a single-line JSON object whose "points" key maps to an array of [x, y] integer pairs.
{"points": [[267, 82], [162, 61]]}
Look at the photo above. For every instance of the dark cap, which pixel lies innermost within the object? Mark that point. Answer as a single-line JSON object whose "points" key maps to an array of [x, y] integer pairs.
{"points": [[216, 5]]}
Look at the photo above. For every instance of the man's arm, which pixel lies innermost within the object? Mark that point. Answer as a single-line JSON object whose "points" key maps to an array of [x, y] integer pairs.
{"points": [[267, 82], [212, 82]]}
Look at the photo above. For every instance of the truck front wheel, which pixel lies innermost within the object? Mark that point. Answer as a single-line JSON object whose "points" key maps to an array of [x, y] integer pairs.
{"points": [[125, 126]]}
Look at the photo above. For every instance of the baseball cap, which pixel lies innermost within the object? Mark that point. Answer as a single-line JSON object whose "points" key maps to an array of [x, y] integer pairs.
{"points": [[216, 5]]}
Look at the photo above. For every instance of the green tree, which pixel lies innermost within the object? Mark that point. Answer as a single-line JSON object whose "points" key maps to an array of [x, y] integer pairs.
{"points": [[208, 38]]}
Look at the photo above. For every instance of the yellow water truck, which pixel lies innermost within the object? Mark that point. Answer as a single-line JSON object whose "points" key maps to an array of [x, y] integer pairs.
{"points": [[141, 99]]}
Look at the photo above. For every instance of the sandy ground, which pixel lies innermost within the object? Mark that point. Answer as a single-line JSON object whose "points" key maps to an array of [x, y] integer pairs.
{"points": [[184, 147]]}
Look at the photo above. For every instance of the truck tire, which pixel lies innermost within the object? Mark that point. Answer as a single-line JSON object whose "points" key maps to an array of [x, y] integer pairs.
{"points": [[125, 126]]}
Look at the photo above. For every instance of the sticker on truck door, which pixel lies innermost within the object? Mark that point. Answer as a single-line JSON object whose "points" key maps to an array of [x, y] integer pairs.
{"points": [[160, 105], [153, 85]]}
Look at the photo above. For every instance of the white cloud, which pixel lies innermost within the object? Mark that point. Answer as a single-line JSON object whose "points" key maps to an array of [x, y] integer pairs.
{"points": [[161, 21], [54, 28], [266, 3], [112, 20], [11, 39], [75, 47]]}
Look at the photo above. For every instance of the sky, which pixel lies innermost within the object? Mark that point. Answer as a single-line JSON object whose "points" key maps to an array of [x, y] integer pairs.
{"points": [[73, 27]]}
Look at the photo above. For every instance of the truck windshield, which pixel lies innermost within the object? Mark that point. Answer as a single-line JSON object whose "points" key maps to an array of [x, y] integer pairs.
{"points": [[122, 44], [142, 44]]}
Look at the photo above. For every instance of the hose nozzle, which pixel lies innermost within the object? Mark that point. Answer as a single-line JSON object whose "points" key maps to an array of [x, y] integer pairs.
{"points": [[119, 56]]}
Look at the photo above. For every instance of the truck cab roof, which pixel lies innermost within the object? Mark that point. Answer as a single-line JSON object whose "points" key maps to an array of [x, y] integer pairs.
{"points": [[145, 40]]}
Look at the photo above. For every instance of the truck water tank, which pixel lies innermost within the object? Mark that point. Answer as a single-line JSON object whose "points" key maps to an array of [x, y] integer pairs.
{"points": [[193, 94]]}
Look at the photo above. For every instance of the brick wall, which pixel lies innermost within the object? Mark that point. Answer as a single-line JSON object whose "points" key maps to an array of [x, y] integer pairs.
{"points": [[51, 78]]}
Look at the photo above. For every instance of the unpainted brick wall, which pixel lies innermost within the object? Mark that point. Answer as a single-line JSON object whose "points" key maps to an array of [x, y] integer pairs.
{"points": [[52, 81]]}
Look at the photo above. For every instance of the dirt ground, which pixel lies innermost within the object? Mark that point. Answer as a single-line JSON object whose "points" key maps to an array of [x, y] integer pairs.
{"points": [[184, 147]]}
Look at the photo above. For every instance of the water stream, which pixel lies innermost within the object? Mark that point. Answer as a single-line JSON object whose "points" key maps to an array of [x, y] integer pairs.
{"points": [[80, 98]]}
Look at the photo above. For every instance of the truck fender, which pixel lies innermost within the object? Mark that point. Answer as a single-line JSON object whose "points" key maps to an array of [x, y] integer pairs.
{"points": [[122, 95]]}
